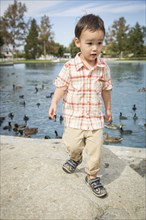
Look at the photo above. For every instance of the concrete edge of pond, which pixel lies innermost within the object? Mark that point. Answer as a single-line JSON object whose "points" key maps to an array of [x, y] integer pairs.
{"points": [[34, 186]]}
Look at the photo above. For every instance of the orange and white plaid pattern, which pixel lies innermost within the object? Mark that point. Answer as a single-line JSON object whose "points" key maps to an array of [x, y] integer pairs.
{"points": [[82, 103]]}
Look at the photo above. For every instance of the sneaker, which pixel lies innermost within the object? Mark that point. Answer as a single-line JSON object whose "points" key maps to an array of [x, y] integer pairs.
{"points": [[70, 165], [96, 186]]}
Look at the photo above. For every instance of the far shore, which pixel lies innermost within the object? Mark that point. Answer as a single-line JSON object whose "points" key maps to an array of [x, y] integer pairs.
{"points": [[62, 60]]}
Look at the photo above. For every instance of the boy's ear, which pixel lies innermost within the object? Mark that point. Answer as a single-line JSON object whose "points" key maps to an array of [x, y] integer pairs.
{"points": [[77, 42]]}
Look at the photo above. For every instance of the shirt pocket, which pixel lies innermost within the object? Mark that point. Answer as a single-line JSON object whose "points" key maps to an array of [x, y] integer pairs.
{"points": [[98, 85]]}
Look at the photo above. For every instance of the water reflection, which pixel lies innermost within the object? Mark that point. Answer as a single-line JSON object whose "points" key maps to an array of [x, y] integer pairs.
{"points": [[128, 78], [125, 71]]}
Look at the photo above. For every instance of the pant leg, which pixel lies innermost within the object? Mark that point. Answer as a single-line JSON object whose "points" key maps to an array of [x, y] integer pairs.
{"points": [[94, 142], [74, 141]]}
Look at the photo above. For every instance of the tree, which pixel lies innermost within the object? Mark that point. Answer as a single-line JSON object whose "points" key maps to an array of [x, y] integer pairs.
{"points": [[1, 45], [73, 49], [135, 41], [13, 27], [61, 51], [117, 36], [45, 35], [31, 47]]}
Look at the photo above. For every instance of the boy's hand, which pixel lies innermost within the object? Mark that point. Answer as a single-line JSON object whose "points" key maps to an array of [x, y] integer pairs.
{"points": [[52, 111], [108, 116]]}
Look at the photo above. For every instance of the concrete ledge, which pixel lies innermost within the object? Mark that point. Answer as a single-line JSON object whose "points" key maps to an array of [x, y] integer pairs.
{"points": [[34, 186]]}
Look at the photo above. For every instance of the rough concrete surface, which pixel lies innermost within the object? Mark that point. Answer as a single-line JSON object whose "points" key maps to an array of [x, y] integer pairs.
{"points": [[34, 186]]}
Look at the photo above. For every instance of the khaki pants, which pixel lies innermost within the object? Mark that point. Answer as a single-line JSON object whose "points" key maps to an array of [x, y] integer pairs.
{"points": [[76, 140]]}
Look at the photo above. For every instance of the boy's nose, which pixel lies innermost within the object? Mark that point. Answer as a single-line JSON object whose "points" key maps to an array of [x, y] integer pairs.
{"points": [[95, 47]]}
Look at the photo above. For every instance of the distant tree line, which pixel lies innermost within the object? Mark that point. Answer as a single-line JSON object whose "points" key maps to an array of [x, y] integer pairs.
{"points": [[121, 40]]}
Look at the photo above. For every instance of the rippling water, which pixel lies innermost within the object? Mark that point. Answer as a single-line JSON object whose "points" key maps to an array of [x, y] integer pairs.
{"points": [[128, 78]]}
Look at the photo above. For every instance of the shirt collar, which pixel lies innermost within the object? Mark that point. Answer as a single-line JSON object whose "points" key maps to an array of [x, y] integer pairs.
{"points": [[79, 63]]}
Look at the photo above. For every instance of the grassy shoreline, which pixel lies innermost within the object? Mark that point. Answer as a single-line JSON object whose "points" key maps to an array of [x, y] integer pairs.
{"points": [[12, 62]]}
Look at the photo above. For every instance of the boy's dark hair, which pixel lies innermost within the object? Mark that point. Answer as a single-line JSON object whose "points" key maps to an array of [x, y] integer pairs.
{"points": [[91, 22]]}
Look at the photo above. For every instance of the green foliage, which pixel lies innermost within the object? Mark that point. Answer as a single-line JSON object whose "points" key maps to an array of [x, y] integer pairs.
{"points": [[61, 51], [1, 41], [45, 35], [13, 27], [32, 43], [135, 41], [73, 49], [116, 37], [123, 41]]}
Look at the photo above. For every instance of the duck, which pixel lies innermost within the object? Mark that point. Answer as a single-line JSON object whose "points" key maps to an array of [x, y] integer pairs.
{"points": [[23, 103], [11, 115], [134, 107], [135, 117], [2, 118], [121, 117], [111, 126], [122, 131], [17, 128], [144, 126], [8, 127], [21, 96], [28, 131], [25, 118], [57, 136], [38, 104], [47, 137], [16, 87], [111, 139], [36, 89], [50, 96], [61, 119]]}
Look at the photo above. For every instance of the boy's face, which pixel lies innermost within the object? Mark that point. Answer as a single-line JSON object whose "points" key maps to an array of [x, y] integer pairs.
{"points": [[90, 44]]}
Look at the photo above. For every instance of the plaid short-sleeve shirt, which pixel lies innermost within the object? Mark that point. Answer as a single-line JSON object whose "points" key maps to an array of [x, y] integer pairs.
{"points": [[82, 102]]}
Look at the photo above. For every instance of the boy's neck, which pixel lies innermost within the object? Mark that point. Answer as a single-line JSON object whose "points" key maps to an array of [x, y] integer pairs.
{"points": [[88, 64]]}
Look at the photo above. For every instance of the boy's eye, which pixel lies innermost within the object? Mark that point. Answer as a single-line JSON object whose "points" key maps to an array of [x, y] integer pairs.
{"points": [[89, 43], [100, 43]]}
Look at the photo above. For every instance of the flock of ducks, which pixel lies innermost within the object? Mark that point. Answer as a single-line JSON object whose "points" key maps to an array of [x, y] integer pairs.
{"points": [[25, 131], [108, 139], [22, 129]]}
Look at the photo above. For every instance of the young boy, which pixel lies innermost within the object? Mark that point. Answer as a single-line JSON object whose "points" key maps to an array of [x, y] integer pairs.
{"points": [[81, 83]]}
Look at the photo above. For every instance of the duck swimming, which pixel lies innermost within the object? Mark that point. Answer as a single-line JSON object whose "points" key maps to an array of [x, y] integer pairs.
{"points": [[25, 118], [111, 126], [8, 127], [2, 118], [135, 117], [11, 115], [28, 131], [57, 136], [125, 131], [121, 117], [134, 107], [17, 128], [111, 139]]}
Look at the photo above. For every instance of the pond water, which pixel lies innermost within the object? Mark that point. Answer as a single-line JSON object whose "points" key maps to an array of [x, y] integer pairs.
{"points": [[35, 83]]}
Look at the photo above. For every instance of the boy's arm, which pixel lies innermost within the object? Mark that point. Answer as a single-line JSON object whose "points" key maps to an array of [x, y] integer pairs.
{"points": [[106, 95], [58, 94]]}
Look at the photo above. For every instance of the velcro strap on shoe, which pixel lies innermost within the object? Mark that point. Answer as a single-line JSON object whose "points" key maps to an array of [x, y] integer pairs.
{"points": [[72, 163], [95, 183]]}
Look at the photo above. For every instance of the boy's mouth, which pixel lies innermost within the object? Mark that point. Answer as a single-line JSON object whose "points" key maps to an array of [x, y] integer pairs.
{"points": [[94, 55]]}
